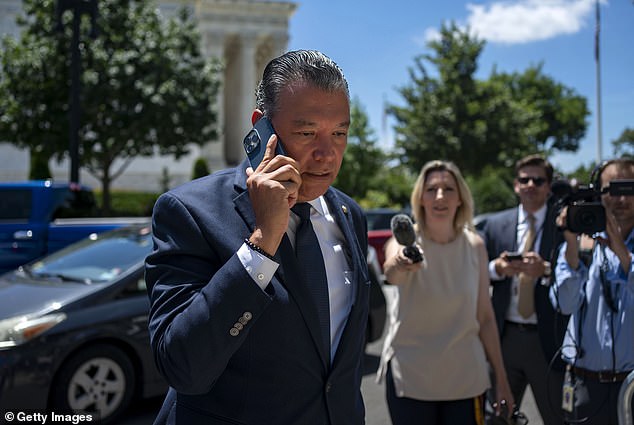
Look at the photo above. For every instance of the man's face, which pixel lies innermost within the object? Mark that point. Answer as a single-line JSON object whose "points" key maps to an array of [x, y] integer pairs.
{"points": [[622, 207], [313, 126], [532, 187]]}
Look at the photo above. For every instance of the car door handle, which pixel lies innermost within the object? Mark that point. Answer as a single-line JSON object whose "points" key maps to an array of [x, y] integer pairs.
{"points": [[22, 235]]}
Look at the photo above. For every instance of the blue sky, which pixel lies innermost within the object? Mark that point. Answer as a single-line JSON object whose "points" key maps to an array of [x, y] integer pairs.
{"points": [[376, 41]]}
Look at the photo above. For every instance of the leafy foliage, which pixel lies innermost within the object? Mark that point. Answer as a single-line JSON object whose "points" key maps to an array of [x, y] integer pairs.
{"points": [[493, 190], [624, 145], [146, 88], [200, 168], [39, 169], [473, 123], [363, 160]]}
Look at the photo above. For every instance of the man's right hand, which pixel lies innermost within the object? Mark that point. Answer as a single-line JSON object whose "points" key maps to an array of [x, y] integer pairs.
{"points": [[572, 239], [273, 189]]}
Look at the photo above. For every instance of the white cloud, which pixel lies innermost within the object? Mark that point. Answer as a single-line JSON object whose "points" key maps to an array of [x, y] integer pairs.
{"points": [[524, 21]]}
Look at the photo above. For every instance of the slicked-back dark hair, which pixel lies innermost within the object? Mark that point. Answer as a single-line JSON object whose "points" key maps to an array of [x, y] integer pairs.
{"points": [[294, 67]]}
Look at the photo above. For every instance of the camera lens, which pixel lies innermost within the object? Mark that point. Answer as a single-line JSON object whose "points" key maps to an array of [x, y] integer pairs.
{"points": [[586, 217], [251, 141]]}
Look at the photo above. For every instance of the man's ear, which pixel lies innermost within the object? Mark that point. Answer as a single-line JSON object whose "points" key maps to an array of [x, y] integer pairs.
{"points": [[257, 114]]}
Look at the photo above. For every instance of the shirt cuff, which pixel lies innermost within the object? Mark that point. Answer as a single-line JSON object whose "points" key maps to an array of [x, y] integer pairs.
{"points": [[260, 268], [493, 275]]}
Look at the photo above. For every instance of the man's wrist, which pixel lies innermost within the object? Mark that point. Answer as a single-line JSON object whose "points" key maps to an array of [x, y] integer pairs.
{"points": [[258, 249], [547, 269]]}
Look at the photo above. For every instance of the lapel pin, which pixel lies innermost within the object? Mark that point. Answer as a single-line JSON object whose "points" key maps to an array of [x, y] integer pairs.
{"points": [[344, 209]]}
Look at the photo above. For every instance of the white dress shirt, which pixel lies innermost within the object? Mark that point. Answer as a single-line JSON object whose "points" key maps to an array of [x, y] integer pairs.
{"points": [[512, 314], [331, 242]]}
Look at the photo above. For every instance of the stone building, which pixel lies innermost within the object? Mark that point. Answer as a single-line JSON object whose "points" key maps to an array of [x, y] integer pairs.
{"points": [[246, 34]]}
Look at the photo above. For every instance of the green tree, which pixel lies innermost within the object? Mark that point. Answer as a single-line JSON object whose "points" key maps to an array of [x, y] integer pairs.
{"points": [[559, 119], [200, 168], [449, 114], [427, 126], [397, 183], [492, 190], [624, 145], [146, 88], [362, 160], [39, 169]]}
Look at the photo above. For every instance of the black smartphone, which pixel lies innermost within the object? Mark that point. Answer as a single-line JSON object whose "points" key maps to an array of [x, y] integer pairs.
{"points": [[513, 256], [255, 142]]}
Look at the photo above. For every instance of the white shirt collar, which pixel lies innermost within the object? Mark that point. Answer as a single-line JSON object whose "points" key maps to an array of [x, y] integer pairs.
{"points": [[320, 205], [540, 216]]}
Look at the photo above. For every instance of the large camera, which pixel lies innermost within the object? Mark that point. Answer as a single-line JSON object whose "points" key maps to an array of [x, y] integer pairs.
{"points": [[585, 211]]}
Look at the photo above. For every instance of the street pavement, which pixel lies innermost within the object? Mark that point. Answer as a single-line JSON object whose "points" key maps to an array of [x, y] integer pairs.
{"points": [[374, 394]]}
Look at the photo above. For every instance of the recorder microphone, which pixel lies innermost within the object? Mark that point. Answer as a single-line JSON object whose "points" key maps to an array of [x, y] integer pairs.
{"points": [[403, 230]]}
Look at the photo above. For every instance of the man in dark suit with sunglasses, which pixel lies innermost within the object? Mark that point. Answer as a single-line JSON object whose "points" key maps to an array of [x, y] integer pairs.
{"points": [[520, 242]]}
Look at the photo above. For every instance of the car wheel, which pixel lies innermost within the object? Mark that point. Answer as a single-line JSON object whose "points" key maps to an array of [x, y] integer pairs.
{"points": [[98, 380]]}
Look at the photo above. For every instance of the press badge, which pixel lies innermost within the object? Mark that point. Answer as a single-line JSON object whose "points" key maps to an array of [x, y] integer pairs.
{"points": [[568, 395]]}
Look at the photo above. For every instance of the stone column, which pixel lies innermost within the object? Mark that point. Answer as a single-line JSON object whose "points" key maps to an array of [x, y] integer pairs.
{"points": [[214, 152], [239, 96]]}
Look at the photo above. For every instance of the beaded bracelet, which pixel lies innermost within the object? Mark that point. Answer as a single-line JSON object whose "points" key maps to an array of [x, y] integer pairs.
{"points": [[258, 249]]}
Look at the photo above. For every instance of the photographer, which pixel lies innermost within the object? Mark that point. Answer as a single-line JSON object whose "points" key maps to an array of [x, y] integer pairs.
{"points": [[599, 343]]}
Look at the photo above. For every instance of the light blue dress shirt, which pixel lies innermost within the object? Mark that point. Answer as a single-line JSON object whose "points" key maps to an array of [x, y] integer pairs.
{"points": [[607, 337]]}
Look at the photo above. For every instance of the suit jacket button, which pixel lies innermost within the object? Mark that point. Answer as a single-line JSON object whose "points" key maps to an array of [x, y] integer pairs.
{"points": [[233, 332], [242, 321], [247, 315], [238, 326], [328, 386]]}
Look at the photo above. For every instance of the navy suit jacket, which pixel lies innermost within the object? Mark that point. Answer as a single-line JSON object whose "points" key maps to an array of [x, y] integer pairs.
{"points": [[500, 234], [274, 369]]}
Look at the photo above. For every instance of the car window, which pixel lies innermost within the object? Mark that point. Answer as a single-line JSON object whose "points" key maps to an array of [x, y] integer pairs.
{"points": [[77, 203], [99, 258], [15, 205]]}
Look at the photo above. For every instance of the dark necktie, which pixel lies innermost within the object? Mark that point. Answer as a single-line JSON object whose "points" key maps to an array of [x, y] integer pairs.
{"points": [[311, 261]]}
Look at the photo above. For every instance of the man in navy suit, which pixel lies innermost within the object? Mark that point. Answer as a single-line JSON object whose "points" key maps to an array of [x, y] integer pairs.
{"points": [[531, 330], [234, 328]]}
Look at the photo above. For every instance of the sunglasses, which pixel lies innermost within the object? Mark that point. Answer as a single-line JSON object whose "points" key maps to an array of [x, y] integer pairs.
{"points": [[537, 181]]}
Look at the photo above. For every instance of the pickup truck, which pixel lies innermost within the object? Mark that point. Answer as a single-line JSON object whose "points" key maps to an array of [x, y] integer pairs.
{"points": [[34, 219]]}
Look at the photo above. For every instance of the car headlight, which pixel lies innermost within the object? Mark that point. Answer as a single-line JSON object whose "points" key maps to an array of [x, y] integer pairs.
{"points": [[18, 330]]}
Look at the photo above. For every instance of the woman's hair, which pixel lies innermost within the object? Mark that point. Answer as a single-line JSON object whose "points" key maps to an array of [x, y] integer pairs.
{"points": [[296, 67], [464, 213]]}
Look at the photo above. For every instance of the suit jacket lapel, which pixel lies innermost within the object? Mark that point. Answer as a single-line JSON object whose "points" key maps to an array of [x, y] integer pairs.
{"points": [[355, 257], [511, 229]]}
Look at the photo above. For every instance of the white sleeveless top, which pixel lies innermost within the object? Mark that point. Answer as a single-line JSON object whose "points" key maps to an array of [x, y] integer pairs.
{"points": [[432, 340]]}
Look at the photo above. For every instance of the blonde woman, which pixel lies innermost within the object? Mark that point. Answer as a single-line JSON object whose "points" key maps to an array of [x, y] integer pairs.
{"points": [[442, 328]]}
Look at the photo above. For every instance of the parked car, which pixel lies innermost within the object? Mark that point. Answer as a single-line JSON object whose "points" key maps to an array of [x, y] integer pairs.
{"points": [[378, 309], [35, 219], [74, 327]]}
